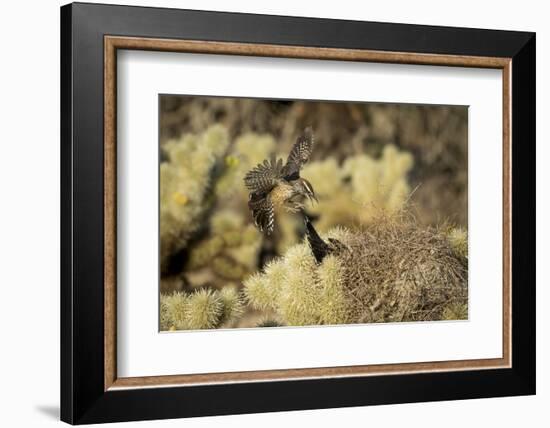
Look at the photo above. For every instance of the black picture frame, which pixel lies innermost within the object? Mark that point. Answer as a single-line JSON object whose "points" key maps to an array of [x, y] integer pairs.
{"points": [[83, 398]]}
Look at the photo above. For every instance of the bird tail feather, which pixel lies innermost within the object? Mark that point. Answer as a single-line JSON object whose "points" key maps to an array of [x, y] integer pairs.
{"points": [[319, 248]]}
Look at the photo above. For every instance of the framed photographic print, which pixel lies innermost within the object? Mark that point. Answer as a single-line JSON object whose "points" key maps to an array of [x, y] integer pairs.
{"points": [[265, 213]]}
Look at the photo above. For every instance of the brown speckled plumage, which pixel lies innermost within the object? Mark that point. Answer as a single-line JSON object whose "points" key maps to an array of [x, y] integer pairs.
{"points": [[273, 185]]}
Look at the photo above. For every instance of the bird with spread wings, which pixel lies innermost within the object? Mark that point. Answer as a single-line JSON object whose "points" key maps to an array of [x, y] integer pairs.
{"points": [[274, 186]]}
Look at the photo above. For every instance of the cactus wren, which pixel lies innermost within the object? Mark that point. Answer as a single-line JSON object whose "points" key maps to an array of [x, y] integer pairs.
{"points": [[274, 186]]}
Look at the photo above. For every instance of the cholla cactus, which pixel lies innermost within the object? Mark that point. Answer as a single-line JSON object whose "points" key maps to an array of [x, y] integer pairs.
{"points": [[229, 251], [359, 190], [254, 148], [186, 178], [387, 271], [456, 311], [300, 291], [381, 184], [248, 150], [458, 238], [202, 309], [200, 173], [230, 244]]}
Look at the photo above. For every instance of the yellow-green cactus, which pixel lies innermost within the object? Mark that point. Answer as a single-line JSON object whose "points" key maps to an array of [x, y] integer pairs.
{"points": [[225, 221], [226, 268], [300, 291], [232, 302], [185, 180], [299, 302], [230, 249], [202, 172], [247, 252], [173, 310], [263, 289], [327, 175], [456, 311], [458, 238], [247, 151], [333, 301], [230, 244], [202, 309], [254, 148], [204, 251], [360, 189]]}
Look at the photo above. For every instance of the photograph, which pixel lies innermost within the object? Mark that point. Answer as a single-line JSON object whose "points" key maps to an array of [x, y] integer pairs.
{"points": [[293, 213]]}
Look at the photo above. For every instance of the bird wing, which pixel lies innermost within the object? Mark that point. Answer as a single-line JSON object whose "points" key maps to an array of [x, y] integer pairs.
{"points": [[299, 155], [262, 212], [264, 176]]}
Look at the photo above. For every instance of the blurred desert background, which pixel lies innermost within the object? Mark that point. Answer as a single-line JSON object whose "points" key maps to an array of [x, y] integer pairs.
{"points": [[371, 162]]}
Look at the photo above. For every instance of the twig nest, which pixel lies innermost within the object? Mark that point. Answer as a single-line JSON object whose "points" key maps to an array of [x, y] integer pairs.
{"points": [[397, 271], [390, 270]]}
